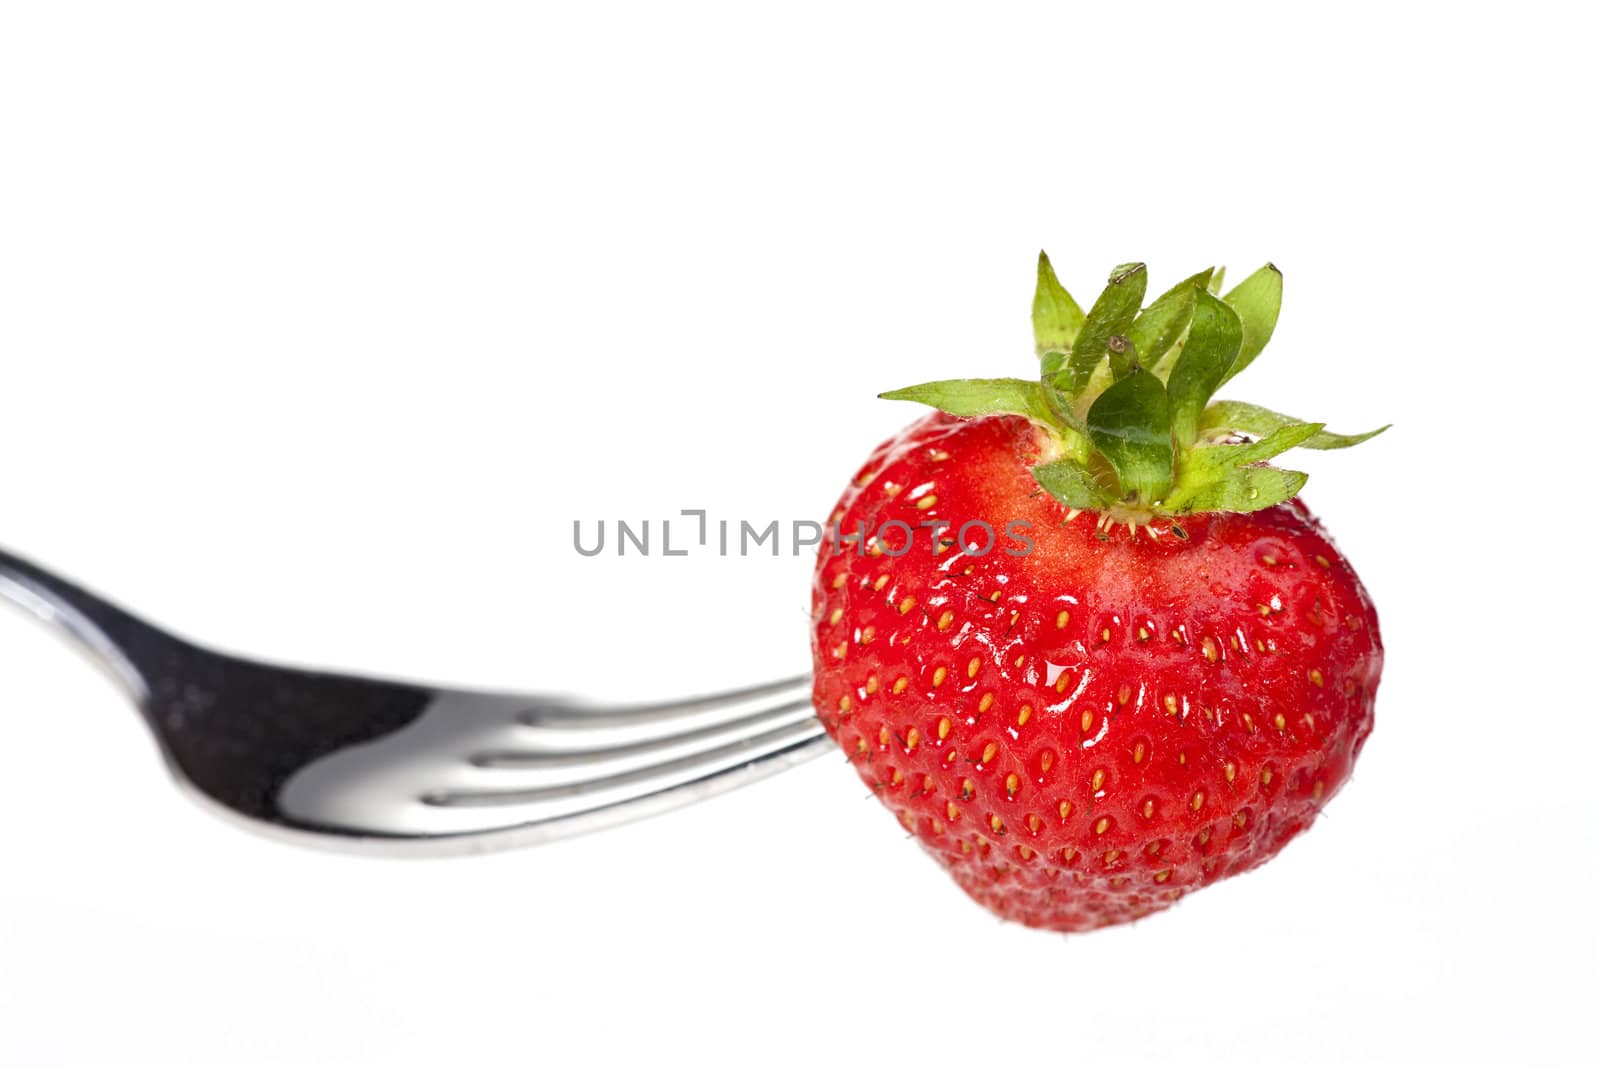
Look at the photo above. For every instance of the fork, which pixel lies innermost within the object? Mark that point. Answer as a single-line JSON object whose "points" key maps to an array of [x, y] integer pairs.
{"points": [[375, 765]]}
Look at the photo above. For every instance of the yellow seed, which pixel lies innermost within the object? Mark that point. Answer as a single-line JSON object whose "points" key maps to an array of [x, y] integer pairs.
{"points": [[1203, 836], [1316, 790], [1012, 782], [883, 735], [1102, 825], [1162, 876], [1061, 619], [883, 580], [1062, 681], [840, 579], [1025, 852], [1064, 809], [840, 649], [1144, 635], [1149, 809], [1238, 819], [868, 634], [1183, 759], [892, 488], [972, 666], [995, 824], [994, 597], [939, 674], [844, 704], [1046, 760], [1086, 720], [1278, 722], [872, 684], [1249, 723], [1097, 780], [913, 738], [951, 812], [1208, 649], [989, 752], [1068, 855], [1266, 776], [861, 746], [897, 778], [1018, 661], [1316, 677], [1023, 713], [900, 684], [1230, 769], [1112, 855], [1322, 561], [967, 789], [1124, 694], [1271, 561], [1105, 635], [1034, 823], [927, 502], [1197, 802], [1138, 752], [946, 619], [907, 604], [835, 616], [944, 729], [1263, 610], [1170, 702]]}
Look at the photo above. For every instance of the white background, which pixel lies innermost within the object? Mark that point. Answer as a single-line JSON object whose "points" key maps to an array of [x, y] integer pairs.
{"points": [[320, 323]]}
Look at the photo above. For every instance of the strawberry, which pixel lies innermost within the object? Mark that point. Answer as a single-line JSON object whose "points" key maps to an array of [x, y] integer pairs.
{"points": [[1086, 645]]}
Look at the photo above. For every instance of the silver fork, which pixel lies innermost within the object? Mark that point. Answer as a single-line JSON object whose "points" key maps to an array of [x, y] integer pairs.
{"points": [[375, 765]]}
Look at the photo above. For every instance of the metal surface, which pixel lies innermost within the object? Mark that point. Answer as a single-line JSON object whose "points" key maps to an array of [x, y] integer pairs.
{"points": [[372, 765]]}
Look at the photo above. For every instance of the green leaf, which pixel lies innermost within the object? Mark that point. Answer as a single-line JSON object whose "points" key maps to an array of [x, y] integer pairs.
{"points": [[1240, 489], [1213, 343], [1257, 300], [969, 397], [1057, 318], [1073, 485], [1129, 425], [1221, 478], [1258, 421], [1111, 316], [1220, 457], [1214, 286], [1159, 326]]}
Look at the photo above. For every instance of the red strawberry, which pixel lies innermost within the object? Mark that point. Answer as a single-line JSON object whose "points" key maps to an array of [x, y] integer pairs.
{"points": [[1132, 663]]}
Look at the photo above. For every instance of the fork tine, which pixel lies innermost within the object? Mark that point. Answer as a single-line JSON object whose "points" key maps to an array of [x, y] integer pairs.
{"points": [[671, 715], [602, 790], [555, 728], [550, 759]]}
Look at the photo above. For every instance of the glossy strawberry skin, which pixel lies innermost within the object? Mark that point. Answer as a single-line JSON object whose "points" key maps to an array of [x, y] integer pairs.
{"points": [[1084, 733]]}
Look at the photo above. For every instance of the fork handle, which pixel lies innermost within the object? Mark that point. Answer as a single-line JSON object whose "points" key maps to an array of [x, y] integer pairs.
{"points": [[124, 645]]}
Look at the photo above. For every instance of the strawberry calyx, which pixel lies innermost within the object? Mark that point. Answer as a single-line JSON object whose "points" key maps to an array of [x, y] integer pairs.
{"points": [[1123, 401]]}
